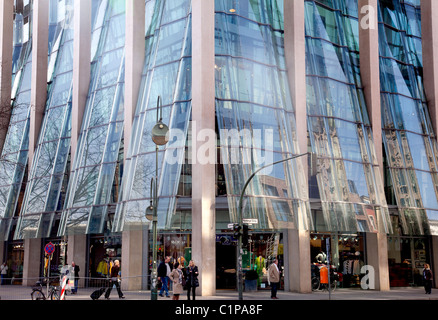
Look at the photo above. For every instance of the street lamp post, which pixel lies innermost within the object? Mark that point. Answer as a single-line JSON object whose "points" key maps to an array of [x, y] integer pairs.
{"points": [[240, 216], [159, 137]]}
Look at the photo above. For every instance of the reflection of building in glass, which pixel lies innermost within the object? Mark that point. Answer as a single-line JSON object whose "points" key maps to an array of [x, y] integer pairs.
{"points": [[265, 80]]}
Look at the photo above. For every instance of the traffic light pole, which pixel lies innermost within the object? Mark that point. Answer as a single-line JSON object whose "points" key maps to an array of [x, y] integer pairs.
{"points": [[240, 216]]}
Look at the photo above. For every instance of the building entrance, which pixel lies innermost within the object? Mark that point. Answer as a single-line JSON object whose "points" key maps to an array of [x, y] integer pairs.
{"points": [[226, 260], [262, 249]]}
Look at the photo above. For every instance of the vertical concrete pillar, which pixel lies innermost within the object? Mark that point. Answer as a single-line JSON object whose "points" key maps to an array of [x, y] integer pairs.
{"points": [[377, 258], [40, 44], [203, 118], [31, 261], [81, 67], [429, 26], [77, 252], [377, 246], [6, 42], [434, 260], [370, 71], [298, 244], [2, 251], [132, 259], [134, 60], [295, 54], [298, 262]]}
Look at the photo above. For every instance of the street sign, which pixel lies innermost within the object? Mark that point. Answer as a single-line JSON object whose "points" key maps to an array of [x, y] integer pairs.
{"points": [[251, 221], [49, 248]]}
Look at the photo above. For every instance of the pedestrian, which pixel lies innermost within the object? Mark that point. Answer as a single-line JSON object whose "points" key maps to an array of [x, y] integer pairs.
{"points": [[274, 278], [3, 272], [164, 271], [177, 278], [192, 281], [115, 281], [427, 277], [75, 272]]}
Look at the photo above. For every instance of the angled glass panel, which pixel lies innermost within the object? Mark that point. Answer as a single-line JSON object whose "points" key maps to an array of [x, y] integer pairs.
{"points": [[166, 73], [90, 185], [408, 137], [339, 128], [44, 183], [255, 116], [13, 159]]}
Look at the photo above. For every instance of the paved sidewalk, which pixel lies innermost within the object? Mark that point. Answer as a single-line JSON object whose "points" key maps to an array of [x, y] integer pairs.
{"points": [[10, 292]]}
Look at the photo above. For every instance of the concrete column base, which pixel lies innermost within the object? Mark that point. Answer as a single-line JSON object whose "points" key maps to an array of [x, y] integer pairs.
{"points": [[131, 265], [77, 251], [32, 261], [434, 260], [298, 261], [377, 256]]}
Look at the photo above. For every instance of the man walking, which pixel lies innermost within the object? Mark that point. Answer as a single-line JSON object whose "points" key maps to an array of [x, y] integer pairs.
{"points": [[274, 278], [164, 271], [75, 271]]}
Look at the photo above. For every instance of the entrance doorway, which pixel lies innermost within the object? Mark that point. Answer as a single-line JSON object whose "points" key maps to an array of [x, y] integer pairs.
{"points": [[226, 261]]}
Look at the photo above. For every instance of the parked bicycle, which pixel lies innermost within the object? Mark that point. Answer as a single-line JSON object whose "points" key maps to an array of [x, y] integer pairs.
{"points": [[39, 289]]}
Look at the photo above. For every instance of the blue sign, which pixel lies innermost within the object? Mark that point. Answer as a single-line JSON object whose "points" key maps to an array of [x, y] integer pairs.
{"points": [[49, 248]]}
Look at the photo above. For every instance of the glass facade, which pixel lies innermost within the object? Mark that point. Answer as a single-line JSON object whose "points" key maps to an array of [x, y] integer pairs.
{"points": [[14, 155], [166, 73], [100, 193], [90, 189], [255, 115], [408, 136], [352, 197], [47, 175]]}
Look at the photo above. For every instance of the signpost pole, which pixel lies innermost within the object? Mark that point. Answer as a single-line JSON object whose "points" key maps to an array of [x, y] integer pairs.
{"points": [[49, 248]]}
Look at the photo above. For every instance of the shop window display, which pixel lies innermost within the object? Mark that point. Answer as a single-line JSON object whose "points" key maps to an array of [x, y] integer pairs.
{"points": [[175, 245], [103, 252], [346, 258], [257, 256], [14, 263], [406, 259]]}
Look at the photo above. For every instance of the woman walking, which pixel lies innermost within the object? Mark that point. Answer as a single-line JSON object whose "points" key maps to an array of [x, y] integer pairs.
{"points": [[427, 277], [192, 279], [176, 276]]}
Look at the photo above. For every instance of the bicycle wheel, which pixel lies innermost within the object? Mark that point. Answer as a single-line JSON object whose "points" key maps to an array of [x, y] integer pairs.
{"points": [[315, 284], [54, 295], [37, 295]]}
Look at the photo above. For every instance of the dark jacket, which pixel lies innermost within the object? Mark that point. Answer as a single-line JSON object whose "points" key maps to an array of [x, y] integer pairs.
{"points": [[162, 269], [192, 277], [115, 271], [76, 271]]}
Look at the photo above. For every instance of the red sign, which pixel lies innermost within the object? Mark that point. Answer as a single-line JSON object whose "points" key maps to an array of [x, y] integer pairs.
{"points": [[49, 248]]}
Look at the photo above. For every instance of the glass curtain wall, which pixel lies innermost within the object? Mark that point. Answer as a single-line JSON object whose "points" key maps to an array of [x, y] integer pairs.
{"points": [[255, 115], [21, 34], [166, 73], [409, 140], [350, 189], [47, 173], [90, 189], [13, 159]]}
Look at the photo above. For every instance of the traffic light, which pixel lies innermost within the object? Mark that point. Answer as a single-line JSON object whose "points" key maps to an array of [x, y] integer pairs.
{"points": [[245, 235], [237, 230]]}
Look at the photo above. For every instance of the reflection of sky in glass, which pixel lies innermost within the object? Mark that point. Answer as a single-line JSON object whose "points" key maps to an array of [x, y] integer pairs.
{"points": [[166, 72], [410, 153], [337, 118], [51, 154]]}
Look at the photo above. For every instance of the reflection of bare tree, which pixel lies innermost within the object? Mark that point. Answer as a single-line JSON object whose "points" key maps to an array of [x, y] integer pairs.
{"points": [[5, 115]]}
